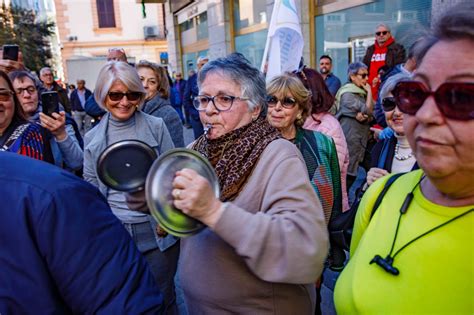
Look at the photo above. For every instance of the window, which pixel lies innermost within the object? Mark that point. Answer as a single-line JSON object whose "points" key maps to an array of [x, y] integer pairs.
{"points": [[106, 14]]}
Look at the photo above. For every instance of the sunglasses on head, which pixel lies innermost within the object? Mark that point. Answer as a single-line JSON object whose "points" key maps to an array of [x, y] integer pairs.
{"points": [[389, 104], [381, 33], [131, 96], [286, 102], [455, 100]]}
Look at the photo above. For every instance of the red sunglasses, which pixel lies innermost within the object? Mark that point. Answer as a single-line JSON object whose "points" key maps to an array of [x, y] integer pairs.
{"points": [[455, 100]]}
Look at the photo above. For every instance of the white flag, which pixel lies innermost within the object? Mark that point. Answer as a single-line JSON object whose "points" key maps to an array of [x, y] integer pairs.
{"points": [[284, 47]]}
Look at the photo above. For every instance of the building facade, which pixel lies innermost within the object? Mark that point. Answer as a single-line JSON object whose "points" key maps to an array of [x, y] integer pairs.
{"points": [[89, 28], [342, 29]]}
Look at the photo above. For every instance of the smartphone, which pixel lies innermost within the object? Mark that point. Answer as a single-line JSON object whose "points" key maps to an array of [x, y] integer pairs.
{"points": [[50, 102], [10, 52]]}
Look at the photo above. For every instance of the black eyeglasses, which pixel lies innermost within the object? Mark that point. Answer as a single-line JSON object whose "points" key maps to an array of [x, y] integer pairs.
{"points": [[363, 75], [118, 96], [30, 89], [5, 95], [286, 102], [381, 33], [455, 100], [389, 104], [221, 102]]}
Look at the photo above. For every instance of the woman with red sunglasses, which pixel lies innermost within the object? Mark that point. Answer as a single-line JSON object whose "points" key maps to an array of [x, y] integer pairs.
{"points": [[414, 255]]}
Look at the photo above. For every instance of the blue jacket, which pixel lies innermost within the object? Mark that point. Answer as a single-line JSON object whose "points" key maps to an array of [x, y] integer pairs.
{"points": [[76, 102], [63, 252], [190, 92]]}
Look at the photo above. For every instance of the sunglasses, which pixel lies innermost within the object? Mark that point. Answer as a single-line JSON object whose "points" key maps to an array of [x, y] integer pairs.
{"points": [[455, 100], [5, 95], [381, 33], [363, 75], [287, 102], [118, 96], [389, 104]]}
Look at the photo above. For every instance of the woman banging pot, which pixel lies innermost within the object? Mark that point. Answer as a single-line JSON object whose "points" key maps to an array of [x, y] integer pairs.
{"points": [[266, 240]]}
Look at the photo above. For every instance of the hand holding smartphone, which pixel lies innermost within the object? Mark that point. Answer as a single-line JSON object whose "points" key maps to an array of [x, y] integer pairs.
{"points": [[50, 102]]}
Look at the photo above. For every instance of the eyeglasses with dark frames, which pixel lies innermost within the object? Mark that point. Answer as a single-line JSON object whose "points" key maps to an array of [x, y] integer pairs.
{"points": [[221, 102], [30, 89], [118, 96]]}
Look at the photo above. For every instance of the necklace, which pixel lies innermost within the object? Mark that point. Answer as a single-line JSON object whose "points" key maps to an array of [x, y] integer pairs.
{"points": [[401, 157], [387, 262]]}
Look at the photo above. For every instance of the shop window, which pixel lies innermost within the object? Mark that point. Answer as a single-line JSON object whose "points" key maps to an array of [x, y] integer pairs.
{"points": [[346, 34], [106, 14], [202, 28], [248, 13], [252, 46]]}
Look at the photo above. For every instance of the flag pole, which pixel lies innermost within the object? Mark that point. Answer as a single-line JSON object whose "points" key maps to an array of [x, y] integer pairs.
{"points": [[270, 28]]}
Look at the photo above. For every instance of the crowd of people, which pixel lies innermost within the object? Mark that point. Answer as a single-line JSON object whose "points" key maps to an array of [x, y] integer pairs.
{"points": [[286, 151]]}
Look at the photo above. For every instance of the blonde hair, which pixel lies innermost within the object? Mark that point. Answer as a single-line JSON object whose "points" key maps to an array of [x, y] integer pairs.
{"points": [[289, 83], [160, 74]]}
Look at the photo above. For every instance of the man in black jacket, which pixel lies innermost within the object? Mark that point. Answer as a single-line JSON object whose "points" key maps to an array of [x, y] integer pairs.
{"points": [[46, 76]]}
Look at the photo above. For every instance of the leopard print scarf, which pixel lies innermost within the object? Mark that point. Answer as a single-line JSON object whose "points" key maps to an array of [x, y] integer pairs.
{"points": [[235, 154]]}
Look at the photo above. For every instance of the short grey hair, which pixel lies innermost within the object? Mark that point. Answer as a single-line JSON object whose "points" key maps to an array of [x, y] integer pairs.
{"points": [[115, 71], [354, 68], [201, 58], [238, 69], [391, 82], [383, 25], [45, 69]]}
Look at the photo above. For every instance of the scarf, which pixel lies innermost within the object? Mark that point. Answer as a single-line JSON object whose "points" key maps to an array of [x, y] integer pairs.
{"points": [[26, 139], [320, 156], [235, 154], [347, 88]]}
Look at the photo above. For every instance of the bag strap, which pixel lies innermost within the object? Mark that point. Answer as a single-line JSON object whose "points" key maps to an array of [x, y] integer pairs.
{"points": [[16, 134], [386, 187]]}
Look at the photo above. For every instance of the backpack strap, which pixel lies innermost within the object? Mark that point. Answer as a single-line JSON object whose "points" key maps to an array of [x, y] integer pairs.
{"points": [[386, 187]]}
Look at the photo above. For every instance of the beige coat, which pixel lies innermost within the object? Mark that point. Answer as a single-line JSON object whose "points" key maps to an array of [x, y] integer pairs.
{"points": [[267, 249]]}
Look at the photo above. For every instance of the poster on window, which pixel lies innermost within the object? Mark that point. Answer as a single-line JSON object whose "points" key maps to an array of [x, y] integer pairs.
{"points": [[359, 45]]}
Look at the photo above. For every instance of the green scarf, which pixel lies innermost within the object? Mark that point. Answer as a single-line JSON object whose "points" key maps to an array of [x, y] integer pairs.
{"points": [[347, 88]]}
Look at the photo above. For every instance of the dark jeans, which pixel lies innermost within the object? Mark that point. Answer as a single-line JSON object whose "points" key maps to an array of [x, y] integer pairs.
{"points": [[198, 129], [163, 265]]}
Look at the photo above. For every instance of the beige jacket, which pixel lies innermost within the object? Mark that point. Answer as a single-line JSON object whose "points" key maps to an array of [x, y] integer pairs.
{"points": [[268, 247]]}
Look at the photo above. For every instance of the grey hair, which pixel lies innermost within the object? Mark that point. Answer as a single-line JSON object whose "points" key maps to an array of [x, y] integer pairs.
{"points": [[238, 69], [44, 69], [22, 74], [384, 25], [456, 23], [112, 72], [201, 58], [391, 82], [354, 68]]}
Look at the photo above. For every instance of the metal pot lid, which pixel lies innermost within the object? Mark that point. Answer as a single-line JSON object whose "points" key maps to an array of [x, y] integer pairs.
{"points": [[124, 165], [158, 189]]}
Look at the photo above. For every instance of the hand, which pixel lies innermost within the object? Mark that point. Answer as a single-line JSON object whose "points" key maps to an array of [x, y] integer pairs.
{"points": [[194, 195], [137, 201], [375, 81], [376, 132], [11, 65], [361, 117], [56, 124], [374, 174], [367, 88]]}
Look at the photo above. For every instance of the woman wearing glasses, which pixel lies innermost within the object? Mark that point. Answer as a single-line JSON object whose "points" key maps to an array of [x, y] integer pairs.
{"points": [[119, 91], [354, 110], [155, 82], [16, 133], [392, 155], [415, 254], [266, 240]]}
